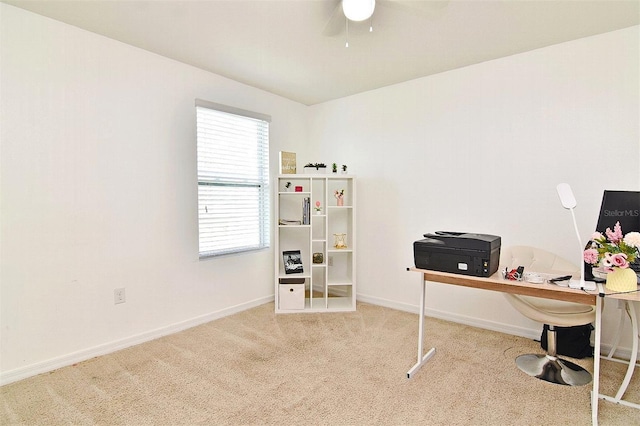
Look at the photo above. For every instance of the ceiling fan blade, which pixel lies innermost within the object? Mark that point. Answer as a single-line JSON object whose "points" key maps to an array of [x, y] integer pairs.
{"points": [[336, 23]]}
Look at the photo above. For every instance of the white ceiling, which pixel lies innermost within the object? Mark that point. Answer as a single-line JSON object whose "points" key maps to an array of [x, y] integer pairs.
{"points": [[294, 48]]}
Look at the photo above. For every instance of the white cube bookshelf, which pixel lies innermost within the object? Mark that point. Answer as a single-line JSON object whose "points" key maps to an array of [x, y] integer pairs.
{"points": [[329, 285]]}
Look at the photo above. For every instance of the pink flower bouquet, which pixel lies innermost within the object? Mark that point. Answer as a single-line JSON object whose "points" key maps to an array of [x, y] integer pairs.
{"points": [[613, 250]]}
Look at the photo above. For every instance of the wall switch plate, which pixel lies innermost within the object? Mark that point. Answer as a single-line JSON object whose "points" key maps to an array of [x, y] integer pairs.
{"points": [[118, 296], [330, 261]]}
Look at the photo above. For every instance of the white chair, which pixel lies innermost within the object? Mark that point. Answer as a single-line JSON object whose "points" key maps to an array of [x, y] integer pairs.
{"points": [[553, 312]]}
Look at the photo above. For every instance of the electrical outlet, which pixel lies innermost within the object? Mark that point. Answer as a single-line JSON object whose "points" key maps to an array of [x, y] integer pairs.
{"points": [[118, 296], [330, 261]]}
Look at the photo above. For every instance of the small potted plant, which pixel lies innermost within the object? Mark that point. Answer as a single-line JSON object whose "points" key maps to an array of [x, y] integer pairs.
{"points": [[318, 208], [339, 194], [335, 168], [344, 169]]}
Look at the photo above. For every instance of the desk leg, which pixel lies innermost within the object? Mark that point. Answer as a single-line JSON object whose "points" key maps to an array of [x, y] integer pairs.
{"points": [[596, 362], [616, 340], [421, 359], [632, 362]]}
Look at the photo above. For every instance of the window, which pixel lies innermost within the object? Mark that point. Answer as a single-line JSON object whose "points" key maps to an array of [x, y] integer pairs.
{"points": [[233, 179]]}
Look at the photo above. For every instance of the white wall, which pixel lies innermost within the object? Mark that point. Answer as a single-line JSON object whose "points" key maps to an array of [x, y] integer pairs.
{"points": [[481, 149], [99, 192]]}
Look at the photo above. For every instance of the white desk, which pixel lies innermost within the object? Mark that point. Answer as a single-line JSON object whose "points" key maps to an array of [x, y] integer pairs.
{"points": [[548, 291]]}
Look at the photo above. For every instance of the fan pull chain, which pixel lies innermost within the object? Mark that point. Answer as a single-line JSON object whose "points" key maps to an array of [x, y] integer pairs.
{"points": [[346, 32], [346, 20]]}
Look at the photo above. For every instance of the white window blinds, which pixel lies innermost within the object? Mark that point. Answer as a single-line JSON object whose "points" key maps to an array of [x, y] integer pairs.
{"points": [[233, 179]]}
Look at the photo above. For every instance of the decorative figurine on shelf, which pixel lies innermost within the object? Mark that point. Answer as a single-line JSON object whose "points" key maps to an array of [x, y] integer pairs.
{"points": [[344, 169], [340, 241], [335, 168], [318, 208], [287, 187], [339, 194], [315, 168], [318, 257]]}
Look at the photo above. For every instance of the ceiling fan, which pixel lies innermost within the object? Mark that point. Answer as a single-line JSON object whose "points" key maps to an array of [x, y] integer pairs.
{"points": [[354, 11]]}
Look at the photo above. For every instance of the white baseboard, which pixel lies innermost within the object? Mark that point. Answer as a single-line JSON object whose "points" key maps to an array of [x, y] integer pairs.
{"points": [[457, 318], [530, 333], [21, 373]]}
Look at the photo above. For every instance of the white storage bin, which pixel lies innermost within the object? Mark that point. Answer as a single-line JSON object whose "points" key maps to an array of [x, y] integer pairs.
{"points": [[291, 296]]}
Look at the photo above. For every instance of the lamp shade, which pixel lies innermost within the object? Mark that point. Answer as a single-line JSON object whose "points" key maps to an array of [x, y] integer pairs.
{"points": [[358, 10], [566, 196]]}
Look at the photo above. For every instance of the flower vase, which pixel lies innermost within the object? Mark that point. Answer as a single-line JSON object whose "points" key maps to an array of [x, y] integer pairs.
{"points": [[622, 279], [340, 202]]}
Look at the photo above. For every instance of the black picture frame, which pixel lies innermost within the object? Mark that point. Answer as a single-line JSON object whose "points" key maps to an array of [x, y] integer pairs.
{"points": [[292, 260]]}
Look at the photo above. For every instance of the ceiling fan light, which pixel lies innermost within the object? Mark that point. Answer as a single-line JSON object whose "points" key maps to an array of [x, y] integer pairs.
{"points": [[358, 10]]}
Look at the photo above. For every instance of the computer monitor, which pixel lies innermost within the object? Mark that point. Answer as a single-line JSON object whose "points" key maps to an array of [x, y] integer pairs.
{"points": [[620, 206]]}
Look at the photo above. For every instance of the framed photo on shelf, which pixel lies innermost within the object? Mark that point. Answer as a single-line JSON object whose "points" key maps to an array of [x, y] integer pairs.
{"points": [[287, 163], [292, 262]]}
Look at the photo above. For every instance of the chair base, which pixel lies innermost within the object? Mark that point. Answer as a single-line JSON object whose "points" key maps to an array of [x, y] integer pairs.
{"points": [[553, 370]]}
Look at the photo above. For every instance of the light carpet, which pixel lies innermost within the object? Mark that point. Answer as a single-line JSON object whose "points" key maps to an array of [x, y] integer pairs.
{"points": [[256, 368]]}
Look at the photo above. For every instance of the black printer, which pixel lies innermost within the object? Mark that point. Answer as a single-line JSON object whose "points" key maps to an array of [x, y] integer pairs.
{"points": [[458, 252]]}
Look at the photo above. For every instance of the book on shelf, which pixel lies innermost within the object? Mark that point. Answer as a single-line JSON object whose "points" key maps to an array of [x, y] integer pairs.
{"points": [[306, 211], [289, 222]]}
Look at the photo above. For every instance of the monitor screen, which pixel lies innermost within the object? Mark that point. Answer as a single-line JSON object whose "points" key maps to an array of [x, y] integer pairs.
{"points": [[620, 206]]}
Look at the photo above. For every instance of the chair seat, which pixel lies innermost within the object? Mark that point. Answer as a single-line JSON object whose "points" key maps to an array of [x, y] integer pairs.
{"points": [[558, 313], [557, 306]]}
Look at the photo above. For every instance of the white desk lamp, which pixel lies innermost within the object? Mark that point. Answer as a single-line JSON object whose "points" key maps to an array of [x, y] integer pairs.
{"points": [[569, 202]]}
